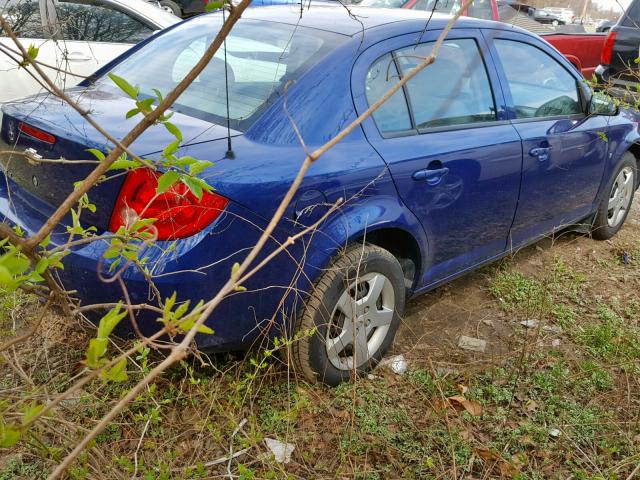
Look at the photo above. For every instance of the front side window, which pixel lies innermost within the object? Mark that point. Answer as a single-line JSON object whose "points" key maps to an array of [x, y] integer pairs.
{"points": [[92, 22], [540, 86], [24, 18], [261, 58]]}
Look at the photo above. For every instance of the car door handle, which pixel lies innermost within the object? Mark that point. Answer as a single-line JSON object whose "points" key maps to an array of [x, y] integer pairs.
{"points": [[77, 57], [542, 153], [431, 176]]}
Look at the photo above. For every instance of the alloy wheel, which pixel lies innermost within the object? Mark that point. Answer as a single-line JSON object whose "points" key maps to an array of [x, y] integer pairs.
{"points": [[620, 197], [360, 321]]}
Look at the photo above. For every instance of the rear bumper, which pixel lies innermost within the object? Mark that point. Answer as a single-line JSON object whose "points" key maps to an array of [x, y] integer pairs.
{"points": [[196, 268]]}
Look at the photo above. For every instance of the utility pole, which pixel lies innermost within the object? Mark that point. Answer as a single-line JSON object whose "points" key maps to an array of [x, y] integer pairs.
{"points": [[584, 11]]}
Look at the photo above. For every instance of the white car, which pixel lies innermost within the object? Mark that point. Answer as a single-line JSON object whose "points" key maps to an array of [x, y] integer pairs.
{"points": [[76, 37]]}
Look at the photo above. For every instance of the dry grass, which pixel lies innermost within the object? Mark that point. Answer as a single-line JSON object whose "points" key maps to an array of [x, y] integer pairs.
{"points": [[555, 403]]}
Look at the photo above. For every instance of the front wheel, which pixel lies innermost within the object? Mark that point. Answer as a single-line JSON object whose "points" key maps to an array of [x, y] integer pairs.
{"points": [[351, 316], [615, 206]]}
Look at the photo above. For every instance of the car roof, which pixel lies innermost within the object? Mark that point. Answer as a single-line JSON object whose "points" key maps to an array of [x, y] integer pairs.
{"points": [[351, 19]]}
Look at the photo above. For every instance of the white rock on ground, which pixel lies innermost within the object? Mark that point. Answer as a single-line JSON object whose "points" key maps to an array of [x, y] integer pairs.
{"points": [[281, 451], [474, 344], [397, 364], [532, 323]]}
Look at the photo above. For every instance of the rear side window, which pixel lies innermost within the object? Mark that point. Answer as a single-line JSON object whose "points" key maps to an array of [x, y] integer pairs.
{"points": [[24, 19], [393, 115], [98, 23], [540, 86], [454, 90]]}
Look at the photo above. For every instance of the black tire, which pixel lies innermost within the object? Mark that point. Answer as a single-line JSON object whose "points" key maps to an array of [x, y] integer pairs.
{"points": [[608, 221], [173, 6], [347, 276]]}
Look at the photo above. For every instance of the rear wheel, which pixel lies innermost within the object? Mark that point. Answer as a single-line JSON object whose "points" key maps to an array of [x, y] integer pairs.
{"points": [[614, 207], [353, 312], [171, 7]]}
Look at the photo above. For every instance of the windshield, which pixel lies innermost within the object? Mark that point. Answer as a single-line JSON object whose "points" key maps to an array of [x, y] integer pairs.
{"points": [[261, 58]]}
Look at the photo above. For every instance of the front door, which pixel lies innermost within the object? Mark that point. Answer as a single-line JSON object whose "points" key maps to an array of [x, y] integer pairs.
{"points": [[564, 149], [455, 159]]}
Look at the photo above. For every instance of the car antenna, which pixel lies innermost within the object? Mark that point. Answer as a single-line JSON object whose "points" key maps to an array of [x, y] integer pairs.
{"points": [[230, 155]]}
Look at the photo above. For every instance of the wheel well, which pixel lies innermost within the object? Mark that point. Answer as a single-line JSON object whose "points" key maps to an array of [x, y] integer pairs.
{"points": [[401, 245], [635, 150]]}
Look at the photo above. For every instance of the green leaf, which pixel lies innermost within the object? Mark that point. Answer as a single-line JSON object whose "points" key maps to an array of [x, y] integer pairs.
{"points": [[173, 130], [234, 269], [167, 180], [158, 94], [95, 352], [9, 435], [6, 278], [117, 373], [96, 153], [33, 51], [146, 104], [171, 148], [31, 412], [47, 240], [14, 262], [42, 265], [110, 321], [199, 166], [211, 6], [195, 185], [188, 323], [132, 113], [122, 164], [125, 86]]}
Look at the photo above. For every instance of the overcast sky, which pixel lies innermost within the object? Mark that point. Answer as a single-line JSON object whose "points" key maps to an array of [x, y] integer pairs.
{"points": [[612, 4]]}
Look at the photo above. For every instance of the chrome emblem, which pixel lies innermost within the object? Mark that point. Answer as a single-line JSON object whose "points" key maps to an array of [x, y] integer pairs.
{"points": [[11, 132], [34, 180]]}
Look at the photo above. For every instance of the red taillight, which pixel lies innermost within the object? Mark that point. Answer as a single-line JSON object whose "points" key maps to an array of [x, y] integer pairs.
{"points": [[178, 212], [607, 49], [36, 133]]}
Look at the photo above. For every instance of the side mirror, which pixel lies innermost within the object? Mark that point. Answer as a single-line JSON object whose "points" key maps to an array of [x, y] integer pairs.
{"points": [[602, 104]]}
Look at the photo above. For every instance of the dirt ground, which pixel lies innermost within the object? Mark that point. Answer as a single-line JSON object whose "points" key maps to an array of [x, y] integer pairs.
{"points": [[435, 321], [559, 398]]}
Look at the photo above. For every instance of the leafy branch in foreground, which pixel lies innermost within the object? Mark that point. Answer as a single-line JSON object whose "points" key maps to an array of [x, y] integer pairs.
{"points": [[176, 169]]}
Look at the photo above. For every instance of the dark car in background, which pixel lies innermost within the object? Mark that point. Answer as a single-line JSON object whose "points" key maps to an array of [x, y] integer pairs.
{"points": [[183, 8], [618, 68]]}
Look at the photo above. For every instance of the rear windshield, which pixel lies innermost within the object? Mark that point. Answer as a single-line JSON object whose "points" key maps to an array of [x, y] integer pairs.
{"points": [[261, 58]]}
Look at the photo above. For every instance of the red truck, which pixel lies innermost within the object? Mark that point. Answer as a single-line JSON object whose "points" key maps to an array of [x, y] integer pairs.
{"points": [[582, 49]]}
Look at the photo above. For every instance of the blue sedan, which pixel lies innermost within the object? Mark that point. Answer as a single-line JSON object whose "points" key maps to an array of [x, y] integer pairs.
{"points": [[496, 145]]}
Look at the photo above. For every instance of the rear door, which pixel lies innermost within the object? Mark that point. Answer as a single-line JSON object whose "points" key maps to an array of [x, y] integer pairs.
{"points": [[564, 150], [91, 34], [455, 158]]}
